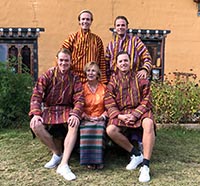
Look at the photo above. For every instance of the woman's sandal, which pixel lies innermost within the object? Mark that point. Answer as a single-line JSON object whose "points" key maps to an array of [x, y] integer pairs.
{"points": [[100, 166], [91, 167]]}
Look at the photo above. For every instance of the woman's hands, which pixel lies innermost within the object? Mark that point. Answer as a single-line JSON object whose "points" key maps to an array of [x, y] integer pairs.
{"points": [[90, 118]]}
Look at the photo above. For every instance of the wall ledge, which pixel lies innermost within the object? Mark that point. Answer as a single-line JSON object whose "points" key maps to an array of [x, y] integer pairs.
{"points": [[184, 125], [146, 33], [13, 32]]}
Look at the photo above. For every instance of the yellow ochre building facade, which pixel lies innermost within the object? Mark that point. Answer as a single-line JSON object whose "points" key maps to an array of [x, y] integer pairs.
{"points": [[59, 19]]}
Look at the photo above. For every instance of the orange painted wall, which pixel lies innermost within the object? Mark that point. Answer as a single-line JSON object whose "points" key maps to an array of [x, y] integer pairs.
{"points": [[59, 18]]}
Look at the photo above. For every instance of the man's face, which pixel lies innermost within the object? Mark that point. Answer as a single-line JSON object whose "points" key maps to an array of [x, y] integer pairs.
{"points": [[64, 62], [85, 21], [123, 63], [121, 27]]}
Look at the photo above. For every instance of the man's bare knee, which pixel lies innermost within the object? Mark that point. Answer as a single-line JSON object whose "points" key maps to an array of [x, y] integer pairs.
{"points": [[37, 128], [148, 125], [112, 130]]}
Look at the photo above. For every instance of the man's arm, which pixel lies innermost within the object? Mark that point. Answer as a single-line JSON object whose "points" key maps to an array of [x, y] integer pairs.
{"points": [[68, 42], [107, 62], [101, 58], [146, 102], [37, 96], [78, 98], [109, 100], [144, 56]]}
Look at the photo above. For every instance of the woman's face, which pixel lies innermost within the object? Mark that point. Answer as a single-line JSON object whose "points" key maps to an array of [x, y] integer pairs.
{"points": [[92, 73]]}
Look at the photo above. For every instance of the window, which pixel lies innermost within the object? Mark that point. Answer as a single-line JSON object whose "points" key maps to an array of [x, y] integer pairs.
{"points": [[19, 46]]}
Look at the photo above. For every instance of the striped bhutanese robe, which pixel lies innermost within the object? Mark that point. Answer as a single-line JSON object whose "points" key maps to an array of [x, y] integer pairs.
{"points": [[56, 96], [86, 47], [140, 56], [125, 94]]}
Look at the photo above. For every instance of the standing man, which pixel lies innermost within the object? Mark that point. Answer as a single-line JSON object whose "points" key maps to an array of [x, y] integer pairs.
{"points": [[56, 107], [140, 58], [128, 103], [85, 46]]}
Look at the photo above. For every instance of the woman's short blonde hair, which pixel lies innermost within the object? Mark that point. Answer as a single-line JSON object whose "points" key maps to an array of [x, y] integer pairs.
{"points": [[92, 63]]}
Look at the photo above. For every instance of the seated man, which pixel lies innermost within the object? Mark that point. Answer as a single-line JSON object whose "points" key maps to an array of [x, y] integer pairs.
{"points": [[61, 93], [128, 102]]}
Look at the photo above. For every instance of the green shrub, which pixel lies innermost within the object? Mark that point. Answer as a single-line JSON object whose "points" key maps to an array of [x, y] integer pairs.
{"points": [[15, 92], [175, 102]]}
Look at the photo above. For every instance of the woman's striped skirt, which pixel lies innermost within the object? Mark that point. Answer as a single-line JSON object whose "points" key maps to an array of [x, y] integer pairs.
{"points": [[92, 139]]}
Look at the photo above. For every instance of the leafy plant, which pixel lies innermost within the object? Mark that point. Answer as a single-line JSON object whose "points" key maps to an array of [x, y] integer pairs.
{"points": [[175, 101], [15, 92]]}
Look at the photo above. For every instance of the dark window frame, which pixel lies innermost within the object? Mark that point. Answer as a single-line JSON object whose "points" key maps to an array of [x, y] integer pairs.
{"points": [[19, 38]]}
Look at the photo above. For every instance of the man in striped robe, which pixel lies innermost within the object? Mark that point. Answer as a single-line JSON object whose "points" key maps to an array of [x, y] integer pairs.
{"points": [[56, 106], [141, 61], [128, 103], [86, 46]]}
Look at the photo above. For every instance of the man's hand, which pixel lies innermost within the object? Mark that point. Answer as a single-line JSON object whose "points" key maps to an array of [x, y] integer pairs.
{"points": [[35, 121], [142, 74], [73, 121], [132, 119], [127, 118]]}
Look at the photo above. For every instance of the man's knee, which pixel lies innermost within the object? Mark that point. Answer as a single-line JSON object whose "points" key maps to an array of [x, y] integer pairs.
{"points": [[111, 130], [148, 125], [37, 128]]}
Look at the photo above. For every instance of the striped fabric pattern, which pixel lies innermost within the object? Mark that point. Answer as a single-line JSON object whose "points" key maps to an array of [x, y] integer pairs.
{"points": [[92, 137], [125, 94], [92, 133], [61, 96], [86, 47], [140, 56]]}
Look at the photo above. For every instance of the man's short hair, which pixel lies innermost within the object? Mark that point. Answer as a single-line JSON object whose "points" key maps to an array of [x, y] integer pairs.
{"points": [[85, 11], [65, 51], [123, 52], [121, 17]]}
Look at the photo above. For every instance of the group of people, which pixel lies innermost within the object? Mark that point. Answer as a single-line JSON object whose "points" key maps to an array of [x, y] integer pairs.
{"points": [[96, 95]]}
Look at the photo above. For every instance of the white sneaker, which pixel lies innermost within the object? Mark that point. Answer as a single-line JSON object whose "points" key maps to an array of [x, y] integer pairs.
{"points": [[144, 174], [135, 161], [55, 160], [66, 172]]}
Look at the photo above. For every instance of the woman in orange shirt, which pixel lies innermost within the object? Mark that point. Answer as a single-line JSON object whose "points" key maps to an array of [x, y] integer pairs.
{"points": [[92, 128]]}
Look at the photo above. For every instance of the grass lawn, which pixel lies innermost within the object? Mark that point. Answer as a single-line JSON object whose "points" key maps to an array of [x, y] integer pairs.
{"points": [[175, 162]]}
